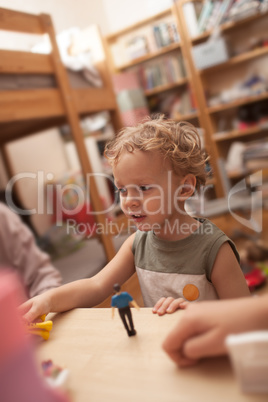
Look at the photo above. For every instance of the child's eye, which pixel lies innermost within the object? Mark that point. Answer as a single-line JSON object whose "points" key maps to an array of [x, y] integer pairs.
{"points": [[145, 188], [122, 191]]}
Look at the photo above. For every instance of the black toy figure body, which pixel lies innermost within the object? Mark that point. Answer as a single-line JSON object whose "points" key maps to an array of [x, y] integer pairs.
{"points": [[122, 300]]}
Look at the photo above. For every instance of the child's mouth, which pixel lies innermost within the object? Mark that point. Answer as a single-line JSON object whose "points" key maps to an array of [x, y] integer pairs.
{"points": [[138, 218]]}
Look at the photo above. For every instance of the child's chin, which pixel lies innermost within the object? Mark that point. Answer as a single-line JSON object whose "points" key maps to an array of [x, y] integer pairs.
{"points": [[143, 227]]}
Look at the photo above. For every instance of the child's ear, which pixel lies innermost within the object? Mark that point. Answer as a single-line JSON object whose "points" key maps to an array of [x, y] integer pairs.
{"points": [[187, 187]]}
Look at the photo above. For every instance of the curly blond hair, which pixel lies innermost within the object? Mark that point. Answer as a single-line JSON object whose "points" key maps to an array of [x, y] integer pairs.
{"points": [[178, 142]]}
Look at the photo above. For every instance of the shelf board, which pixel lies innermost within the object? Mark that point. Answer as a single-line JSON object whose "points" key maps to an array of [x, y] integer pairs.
{"points": [[229, 135], [188, 116], [149, 56], [253, 54], [230, 25], [112, 37], [166, 87], [237, 174], [237, 103]]}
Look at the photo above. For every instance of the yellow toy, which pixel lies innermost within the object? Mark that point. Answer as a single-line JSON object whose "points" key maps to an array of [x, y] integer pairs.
{"points": [[40, 328]]}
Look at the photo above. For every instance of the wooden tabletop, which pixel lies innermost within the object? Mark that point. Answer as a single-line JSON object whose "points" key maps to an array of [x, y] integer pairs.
{"points": [[108, 366]]}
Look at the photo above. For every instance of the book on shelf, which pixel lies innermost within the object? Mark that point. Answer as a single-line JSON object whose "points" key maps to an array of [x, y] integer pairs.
{"points": [[168, 70], [214, 13], [191, 19], [242, 9], [182, 105], [255, 155], [214, 16], [225, 9], [204, 15], [165, 33], [136, 47], [256, 164]]}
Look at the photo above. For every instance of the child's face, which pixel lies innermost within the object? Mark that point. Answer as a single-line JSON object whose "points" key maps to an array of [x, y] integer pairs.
{"points": [[149, 189]]}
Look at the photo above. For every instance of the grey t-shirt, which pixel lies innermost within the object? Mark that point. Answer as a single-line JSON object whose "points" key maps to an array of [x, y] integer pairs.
{"points": [[178, 268]]}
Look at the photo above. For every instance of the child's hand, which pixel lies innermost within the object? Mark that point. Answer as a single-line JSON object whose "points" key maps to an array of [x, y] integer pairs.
{"points": [[33, 308], [169, 305]]}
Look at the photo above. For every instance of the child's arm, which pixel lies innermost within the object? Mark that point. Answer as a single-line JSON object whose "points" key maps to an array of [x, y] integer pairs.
{"points": [[203, 327], [84, 292], [227, 276]]}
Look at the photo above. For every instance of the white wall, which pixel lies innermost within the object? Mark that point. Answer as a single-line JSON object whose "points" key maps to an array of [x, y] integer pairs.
{"points": [[122, 13], [110, 15], [65, 13]]}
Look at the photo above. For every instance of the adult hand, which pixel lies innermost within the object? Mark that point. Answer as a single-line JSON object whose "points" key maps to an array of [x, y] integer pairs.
{"points": [[204, 326]]}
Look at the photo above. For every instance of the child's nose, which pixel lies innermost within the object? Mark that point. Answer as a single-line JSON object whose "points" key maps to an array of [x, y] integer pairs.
{"points": [[132, 201]]}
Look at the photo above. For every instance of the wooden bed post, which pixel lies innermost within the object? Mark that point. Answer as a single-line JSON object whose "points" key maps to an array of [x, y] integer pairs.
{"points": [[73, 120]]}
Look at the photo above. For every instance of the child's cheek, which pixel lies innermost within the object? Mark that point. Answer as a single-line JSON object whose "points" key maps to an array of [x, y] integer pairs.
{"points": [[153, 206]]}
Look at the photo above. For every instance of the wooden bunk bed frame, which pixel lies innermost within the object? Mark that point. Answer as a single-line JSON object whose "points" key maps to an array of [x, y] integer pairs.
{"points": [[27, 111]]}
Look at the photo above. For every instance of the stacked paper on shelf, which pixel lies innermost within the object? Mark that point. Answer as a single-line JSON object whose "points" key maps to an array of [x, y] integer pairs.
{"points": [[210, 53]]}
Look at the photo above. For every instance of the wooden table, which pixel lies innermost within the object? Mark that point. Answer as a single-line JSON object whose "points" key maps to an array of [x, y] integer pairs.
{"points": [[106, 365]]}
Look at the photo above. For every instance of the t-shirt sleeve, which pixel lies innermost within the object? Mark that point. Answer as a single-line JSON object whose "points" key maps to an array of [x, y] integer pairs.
{"points": [[137, 237], [130, 298], [214, 251]]}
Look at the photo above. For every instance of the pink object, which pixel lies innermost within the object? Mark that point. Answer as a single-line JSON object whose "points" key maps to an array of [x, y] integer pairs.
{"points": [[134, 116], [125, 80], [19, 377]]}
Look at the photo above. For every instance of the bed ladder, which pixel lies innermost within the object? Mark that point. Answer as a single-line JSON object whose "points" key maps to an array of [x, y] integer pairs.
{"points": [[73, 120], [39, 24]]}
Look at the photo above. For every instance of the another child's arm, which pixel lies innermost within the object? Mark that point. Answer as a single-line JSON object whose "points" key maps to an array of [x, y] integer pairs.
{"points": [[227, 276], [203, 327], [84, 292]]}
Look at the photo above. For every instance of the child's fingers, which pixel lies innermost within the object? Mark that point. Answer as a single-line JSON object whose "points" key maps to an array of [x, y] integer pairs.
{"points": [[165, 305], [23, 308], [176, 304], [158, 304], [32, 314]]}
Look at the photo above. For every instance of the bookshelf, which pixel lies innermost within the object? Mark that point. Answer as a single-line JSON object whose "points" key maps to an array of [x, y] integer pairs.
{"points": [[161, 69], [211, 103], [219, 114]]}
